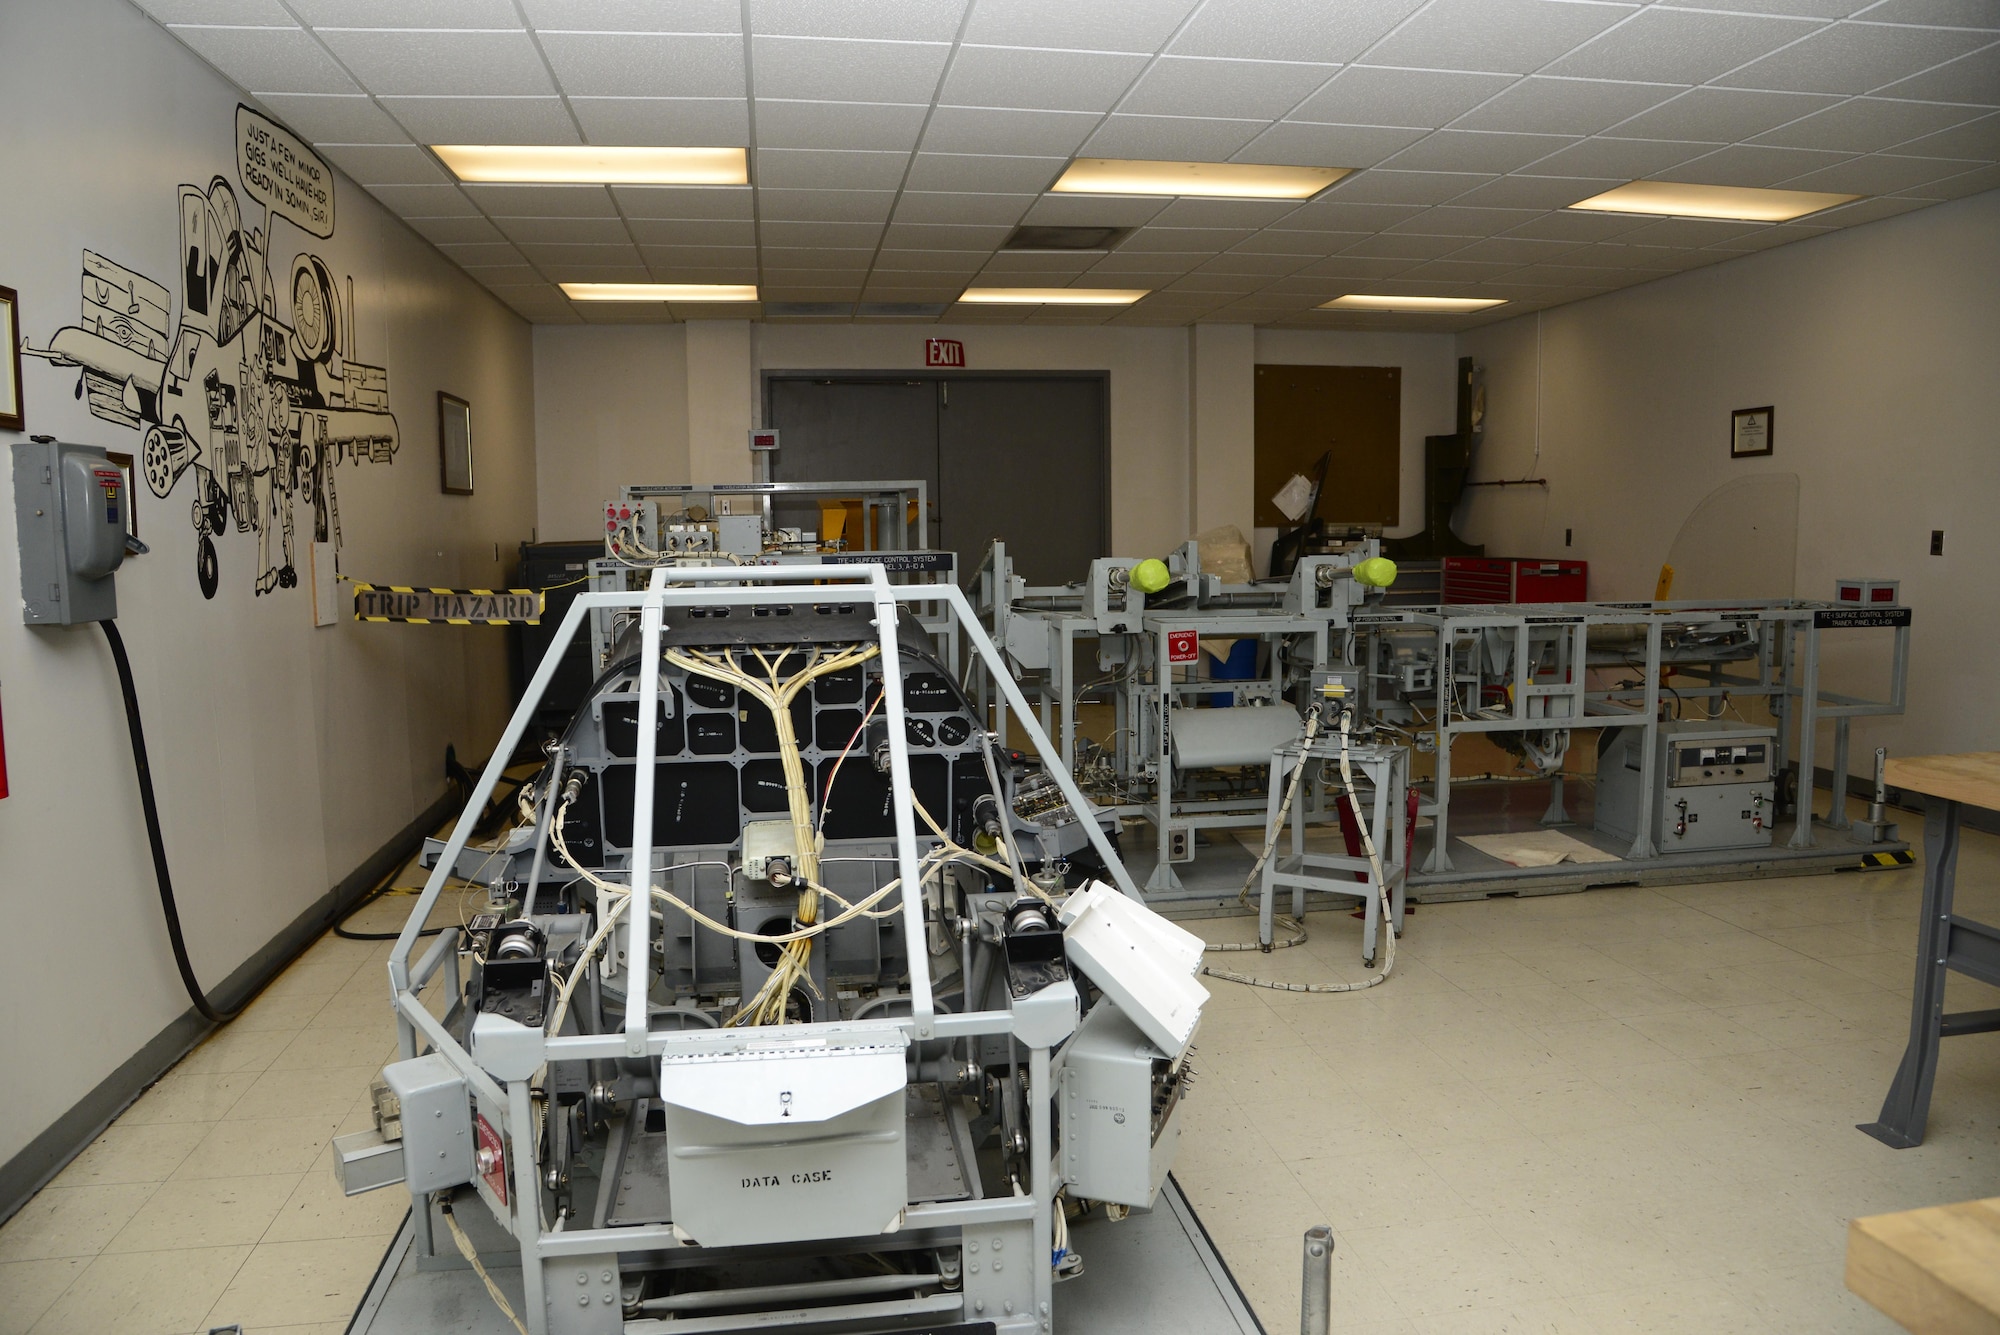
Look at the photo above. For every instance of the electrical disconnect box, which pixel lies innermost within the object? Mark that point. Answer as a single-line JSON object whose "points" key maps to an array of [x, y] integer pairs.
{"points": [[69, 512]]}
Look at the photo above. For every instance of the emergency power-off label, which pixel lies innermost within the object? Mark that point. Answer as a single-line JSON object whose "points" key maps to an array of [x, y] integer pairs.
{"points": [[1183, 646]]}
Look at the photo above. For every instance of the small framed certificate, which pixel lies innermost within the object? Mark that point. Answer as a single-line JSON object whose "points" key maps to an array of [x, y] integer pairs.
{"points": [[1750, 432]]}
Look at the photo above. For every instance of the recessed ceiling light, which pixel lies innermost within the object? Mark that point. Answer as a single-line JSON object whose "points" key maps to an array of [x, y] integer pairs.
{"points": [[1360, 301], [660, 291], [1674, 200], [589, 164], [1052, 296], [1218, 180]]}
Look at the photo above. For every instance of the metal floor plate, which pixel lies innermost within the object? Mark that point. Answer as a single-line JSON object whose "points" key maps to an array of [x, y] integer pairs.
{"points": [[1155, 1271]]}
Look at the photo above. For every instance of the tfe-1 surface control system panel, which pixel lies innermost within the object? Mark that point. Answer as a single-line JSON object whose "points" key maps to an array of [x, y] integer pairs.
{"points": [[70, 512]]}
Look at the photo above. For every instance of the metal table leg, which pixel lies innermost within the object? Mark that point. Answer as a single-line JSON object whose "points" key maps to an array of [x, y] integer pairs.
{"points": [[1901, 1122]]}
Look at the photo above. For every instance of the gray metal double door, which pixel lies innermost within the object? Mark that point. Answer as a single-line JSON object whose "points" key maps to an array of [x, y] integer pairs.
{"points": [[1021, 458]]}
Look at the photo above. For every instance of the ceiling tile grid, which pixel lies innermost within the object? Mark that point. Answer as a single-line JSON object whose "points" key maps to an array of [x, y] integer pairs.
{"points": [[895, 144]]}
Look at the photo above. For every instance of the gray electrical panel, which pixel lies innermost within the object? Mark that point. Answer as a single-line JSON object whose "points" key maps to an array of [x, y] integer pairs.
{"points": [[70, 515], [1117, 1094], [1712, 785]]}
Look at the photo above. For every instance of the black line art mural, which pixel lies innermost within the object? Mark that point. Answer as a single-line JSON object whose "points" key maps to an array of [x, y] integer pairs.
{"points": [[247, 411]]}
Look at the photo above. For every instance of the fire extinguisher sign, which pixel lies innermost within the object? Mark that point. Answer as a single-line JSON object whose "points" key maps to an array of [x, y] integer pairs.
{"points": [[1182, 646]]}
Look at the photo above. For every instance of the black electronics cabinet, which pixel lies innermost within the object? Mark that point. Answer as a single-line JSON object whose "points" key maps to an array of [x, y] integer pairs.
{"points": [[562, 570]]}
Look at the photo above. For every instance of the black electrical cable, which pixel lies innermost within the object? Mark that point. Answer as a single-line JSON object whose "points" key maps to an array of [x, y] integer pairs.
{"points": [[208, 1009]]}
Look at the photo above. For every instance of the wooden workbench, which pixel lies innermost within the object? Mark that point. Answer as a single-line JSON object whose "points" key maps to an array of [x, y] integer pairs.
{"points": [[1935, 1270], [1946, 942]]}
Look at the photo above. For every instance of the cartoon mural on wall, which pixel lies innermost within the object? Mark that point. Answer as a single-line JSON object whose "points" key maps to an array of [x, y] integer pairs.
{"points": [[254, 411]]}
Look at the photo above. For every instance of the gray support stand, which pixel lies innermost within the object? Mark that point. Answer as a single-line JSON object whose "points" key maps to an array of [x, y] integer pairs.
{"points": [[1316, 1285], [1944, 942]]}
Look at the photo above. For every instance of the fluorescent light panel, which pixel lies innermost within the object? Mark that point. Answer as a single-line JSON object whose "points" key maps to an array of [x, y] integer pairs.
{"points": [[1360, 301], [1214, 180], [589, 164], [1052, 296], [660, 291], [1673, 199]]}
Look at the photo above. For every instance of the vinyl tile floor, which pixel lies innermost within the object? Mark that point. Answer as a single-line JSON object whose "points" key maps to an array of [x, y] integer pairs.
{"points": [[1628, 1110]]}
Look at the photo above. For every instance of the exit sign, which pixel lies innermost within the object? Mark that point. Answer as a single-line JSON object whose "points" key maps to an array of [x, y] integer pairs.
{"points": [[944, 352]]}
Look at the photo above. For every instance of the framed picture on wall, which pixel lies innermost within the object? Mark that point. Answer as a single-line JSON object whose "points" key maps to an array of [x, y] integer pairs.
{"points": [[10, 362], [454, 444], [1750, 432]]}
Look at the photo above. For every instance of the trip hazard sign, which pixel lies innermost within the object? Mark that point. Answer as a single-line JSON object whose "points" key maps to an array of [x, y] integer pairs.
{"points": [[1183, 646]]}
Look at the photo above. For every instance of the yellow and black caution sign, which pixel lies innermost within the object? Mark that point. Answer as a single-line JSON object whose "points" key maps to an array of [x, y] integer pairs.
{"points": [[1902, 857], [448, 607]]}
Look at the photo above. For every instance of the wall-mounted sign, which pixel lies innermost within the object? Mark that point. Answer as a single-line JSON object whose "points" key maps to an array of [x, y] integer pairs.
{"points": [[944, 352], [451, 607], [1183, 646], [1750, 432], [765, 438]]}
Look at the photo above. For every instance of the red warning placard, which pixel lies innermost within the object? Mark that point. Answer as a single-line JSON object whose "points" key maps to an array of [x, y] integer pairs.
{"points": [[1182, 646]]}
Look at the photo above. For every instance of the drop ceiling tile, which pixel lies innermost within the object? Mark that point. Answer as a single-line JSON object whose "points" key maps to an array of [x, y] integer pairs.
{"points": [[1564, 106], [836, 235], [1351, 265], [1290, 29], [335, 118], [580, 231], [704, 122], [1134, 25], [438, 230], [1958, 187], [943, 236], [1535, 192], [547, 253], [827, 70], [1472, 151], [698, 16], [1499, 36], [1204, 239], [1427, 99], [1175, 138], [497, 276], [1060, 266], [849, 125], [646, 64], [1396, 246], [1233, 89], [225, 13], [1282, 241], [481, 252], [437, 14], [1781, 235], [1613, 255], [829, 169], [817, 257], [1854, 58], [665, 232], [732, 259], [928, 261], [1616, 159], [933, 206], [1451, 220], [1096, 210], [825, 205], [1866, 125], [1722, 115], [268, 60], [421, 63], [1973, 79], [1223, 212], [1383, 186], [424, 201], [542, 201], [1153, 261], [1267, 266], [1877, 174], [1976, 140], [1868, 210], [1226, 283], [982, 172], [1513, 250], [1296, 144], [994, 76], [1006, 131], [907, 20], [692, 203], [1572, 276], [1659, 45], [668, 267], [1577, 226], [1329, 213], [1687, 232], [1943, 13], [484, 120], [1454, 270], [386, 164], [1752, 165]]}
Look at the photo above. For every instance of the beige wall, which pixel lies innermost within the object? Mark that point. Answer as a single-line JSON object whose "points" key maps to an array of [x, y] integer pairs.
{"points": [[1878, 348], [1180, 404], [284, 754]]}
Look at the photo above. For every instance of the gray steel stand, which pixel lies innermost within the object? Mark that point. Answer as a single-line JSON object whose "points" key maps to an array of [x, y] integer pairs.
{"points": [[1944, 942]]}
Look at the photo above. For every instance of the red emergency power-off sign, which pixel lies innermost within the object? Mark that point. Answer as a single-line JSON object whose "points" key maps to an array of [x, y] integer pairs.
{"points": [[944, 352], [1183, 646]]}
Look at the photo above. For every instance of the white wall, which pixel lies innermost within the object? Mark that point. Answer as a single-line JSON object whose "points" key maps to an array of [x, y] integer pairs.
{"points": [[1156, 501], [1878, 347], [284, 754]]}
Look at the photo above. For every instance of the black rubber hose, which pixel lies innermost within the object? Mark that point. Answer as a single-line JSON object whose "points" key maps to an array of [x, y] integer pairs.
{"points": [[160, 873]]}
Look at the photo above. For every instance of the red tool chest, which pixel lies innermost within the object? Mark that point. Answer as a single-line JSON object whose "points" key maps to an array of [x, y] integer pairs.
{"points": [[1514, 579]]}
